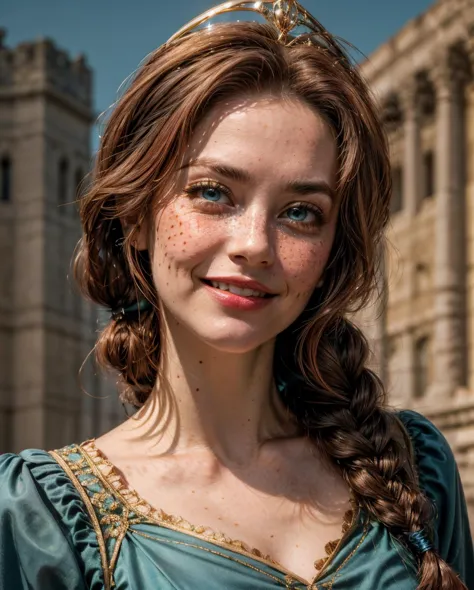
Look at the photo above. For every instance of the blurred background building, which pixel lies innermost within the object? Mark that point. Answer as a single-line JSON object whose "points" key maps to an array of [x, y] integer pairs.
{"points": [[422, 332], [46, 328]]}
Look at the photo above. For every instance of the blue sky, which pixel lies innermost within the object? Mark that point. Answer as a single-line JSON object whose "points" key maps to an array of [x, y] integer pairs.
{"points": [[116, 35]]}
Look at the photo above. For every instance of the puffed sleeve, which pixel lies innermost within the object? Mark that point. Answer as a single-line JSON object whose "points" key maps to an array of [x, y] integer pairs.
{"points": [[440, 481], [46, 539]]}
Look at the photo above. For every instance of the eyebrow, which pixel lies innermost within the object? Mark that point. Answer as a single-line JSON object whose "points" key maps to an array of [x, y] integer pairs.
{"points": [[299, 187]]}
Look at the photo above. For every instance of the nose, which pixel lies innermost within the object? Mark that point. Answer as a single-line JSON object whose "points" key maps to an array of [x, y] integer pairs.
{"points": [[251, 240]]}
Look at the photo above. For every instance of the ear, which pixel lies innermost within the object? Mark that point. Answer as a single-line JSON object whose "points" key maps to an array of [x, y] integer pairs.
{"points": [[140, 233]]}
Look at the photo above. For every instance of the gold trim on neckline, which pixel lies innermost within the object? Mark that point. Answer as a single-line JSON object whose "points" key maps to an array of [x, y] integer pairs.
{"points": [[112, 478], [108, 580]]}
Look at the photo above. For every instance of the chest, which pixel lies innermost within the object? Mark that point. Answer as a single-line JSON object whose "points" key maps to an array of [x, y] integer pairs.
{"points": [[368, 557], [289, 526]]}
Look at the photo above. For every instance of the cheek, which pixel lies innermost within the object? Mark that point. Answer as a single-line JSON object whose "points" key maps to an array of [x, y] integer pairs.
{"points": [[303, 263], [181, 237]]}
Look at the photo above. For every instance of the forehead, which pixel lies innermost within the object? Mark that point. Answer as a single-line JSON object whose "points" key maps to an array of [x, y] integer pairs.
{"points": [[266, 135]]}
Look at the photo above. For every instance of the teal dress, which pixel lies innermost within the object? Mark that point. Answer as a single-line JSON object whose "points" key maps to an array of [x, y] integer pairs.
{"points": [[67, 522]]}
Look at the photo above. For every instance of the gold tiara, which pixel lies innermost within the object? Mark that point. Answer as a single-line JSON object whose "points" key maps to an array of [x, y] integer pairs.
{"points": [[288, 17]]}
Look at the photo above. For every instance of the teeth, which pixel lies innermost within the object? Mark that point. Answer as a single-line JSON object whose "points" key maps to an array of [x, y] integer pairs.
{"points": [[237, 290]]}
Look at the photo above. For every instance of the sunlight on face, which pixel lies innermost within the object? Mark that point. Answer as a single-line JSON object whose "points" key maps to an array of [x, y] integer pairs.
{"points": [[253, 202]]}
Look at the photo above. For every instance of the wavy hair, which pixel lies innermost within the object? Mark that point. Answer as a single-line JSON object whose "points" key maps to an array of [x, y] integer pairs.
{"points": [[337, 399]]}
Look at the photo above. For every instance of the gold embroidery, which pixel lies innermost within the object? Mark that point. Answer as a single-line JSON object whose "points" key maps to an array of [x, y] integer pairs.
{"points": [[95, 523], [329, 585], [332, 546], [109, 517]]}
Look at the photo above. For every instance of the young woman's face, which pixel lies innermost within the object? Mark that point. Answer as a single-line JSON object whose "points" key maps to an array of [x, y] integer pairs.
{"points": [[243, 245]]}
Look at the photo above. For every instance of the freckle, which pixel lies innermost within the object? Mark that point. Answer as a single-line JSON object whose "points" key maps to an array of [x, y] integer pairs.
{"points": [[184, 243], [271, 536], [181, 234], [220, 518], [206, 508], [192, 491], [169, 266], [172, 226], [236, 524], [200, 362]]}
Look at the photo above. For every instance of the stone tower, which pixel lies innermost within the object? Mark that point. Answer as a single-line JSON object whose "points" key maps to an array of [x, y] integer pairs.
{"points": [[46, 329]]}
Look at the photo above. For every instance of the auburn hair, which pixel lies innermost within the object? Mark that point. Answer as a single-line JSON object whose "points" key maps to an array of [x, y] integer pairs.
{"points": [[322, 358]]}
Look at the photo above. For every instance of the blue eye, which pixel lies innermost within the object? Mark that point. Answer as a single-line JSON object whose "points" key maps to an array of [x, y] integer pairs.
{"points": [[298, 214], [209, 191], [305, 215], [211, 194]]}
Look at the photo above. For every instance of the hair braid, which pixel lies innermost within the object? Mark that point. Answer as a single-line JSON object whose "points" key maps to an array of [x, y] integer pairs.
{"points": [[343, 413]]}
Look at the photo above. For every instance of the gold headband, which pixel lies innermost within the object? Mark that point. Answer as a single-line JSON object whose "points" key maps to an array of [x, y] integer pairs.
{"points": [[284, 15]]}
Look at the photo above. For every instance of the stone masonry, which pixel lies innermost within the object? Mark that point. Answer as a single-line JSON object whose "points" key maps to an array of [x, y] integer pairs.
{"points": [[46, 329], [423, 329]]}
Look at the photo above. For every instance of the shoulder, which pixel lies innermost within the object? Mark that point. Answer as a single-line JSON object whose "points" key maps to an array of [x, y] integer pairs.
{"points": [[21, 473], [32, 469], [43, 516], [439, 479], [433, 453], [436, 465]]}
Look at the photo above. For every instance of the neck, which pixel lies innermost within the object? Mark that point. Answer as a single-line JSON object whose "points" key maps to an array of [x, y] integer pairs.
{"points": [[226, 402]]}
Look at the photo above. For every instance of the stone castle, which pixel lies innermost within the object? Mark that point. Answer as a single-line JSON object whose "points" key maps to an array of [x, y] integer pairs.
{"points": [[46, 329], [422, 331]]}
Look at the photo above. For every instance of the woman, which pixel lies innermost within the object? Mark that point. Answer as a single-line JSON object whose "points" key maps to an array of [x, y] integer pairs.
{"points": [[237, 208]]}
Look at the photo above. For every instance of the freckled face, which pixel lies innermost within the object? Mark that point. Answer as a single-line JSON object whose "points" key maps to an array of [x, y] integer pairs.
{"points": [[253, 201]]}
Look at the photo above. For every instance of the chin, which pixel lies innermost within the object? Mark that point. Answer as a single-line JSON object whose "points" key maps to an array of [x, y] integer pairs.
{"points": [[233, 339]]}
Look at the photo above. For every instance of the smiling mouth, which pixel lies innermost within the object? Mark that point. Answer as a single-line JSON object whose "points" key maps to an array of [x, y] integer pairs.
{"points": [[242, 292]]}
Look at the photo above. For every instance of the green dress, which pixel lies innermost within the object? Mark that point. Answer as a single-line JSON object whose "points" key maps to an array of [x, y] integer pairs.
{"points": [[67, 522]]}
